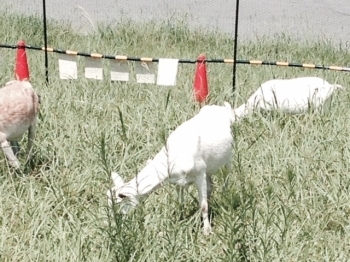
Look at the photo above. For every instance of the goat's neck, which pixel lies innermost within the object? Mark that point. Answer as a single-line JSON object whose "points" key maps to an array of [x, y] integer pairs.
{"points": [[240, 112], [150, 177]]}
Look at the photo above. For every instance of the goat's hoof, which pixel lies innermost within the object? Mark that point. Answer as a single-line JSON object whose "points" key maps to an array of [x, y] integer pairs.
{"points": [[15, 164], [207, 231]]}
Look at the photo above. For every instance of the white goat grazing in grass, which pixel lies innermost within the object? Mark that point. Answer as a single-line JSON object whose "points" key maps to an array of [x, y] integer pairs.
{"points": [[19, 107], [292, 96], [197, 149]]}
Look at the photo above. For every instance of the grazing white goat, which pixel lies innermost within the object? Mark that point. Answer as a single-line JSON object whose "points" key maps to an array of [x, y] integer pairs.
{"points": [[194, 151], [19, 107], [292, 96]]}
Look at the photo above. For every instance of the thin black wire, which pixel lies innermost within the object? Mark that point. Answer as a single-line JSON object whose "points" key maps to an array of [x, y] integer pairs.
{"points": [[45, 43], [235, 51]]}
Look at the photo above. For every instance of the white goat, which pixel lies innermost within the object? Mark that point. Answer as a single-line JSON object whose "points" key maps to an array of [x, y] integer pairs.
{"points": [[19, 107], [292, 96], [197, 149]]}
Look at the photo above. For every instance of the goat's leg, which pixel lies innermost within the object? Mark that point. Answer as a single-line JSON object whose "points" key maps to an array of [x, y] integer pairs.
{"points": [[6, 147], [15, 147], [227, 170], [202, 186], [180, 192], [209, 191], [31, 137], [209, 186], [228, 167]]}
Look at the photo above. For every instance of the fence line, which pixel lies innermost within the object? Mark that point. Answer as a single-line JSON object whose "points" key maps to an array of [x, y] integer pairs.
{"points": [[233, 61], [184, 61]]}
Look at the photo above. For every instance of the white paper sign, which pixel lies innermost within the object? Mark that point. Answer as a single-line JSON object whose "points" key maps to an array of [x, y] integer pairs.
{"points": [[67, 66], [93, 68], [167, 71], [145, 72], [119, 70]]}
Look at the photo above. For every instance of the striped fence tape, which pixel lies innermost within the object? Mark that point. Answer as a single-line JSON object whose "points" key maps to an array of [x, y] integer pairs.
{"points": [[184, 61]]}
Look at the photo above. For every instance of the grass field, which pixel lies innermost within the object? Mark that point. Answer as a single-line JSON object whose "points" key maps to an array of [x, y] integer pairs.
{"points": [[287, 198]]}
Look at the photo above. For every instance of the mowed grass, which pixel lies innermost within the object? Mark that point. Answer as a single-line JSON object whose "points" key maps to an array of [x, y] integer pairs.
{"points": [[287, 198]]}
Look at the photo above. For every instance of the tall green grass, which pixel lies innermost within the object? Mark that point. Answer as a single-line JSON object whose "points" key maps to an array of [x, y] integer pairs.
{"points": [[287, 198]]}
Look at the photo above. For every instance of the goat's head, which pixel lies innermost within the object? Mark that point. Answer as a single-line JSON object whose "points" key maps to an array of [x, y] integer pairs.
{"points": [[338, 87], [122, 195]]}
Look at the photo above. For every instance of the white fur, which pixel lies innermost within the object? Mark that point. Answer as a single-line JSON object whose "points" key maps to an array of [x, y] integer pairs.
{"points": [[292, 96], [19, 106], [197, 149]]}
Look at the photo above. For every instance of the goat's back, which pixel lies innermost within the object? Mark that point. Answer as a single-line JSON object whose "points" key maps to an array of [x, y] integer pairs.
{"points": [[19, 106], [291, 95], [202, 142]]}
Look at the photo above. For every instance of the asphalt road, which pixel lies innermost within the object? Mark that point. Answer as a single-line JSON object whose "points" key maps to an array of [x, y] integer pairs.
{"points": [[307, 19]]}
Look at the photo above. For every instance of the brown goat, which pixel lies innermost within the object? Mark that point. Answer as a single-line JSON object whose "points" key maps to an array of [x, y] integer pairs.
{"points": [[19, 107]]}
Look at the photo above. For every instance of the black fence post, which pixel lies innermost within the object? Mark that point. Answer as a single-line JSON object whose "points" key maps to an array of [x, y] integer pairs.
{"points": [[235, 51], [45, 43]]}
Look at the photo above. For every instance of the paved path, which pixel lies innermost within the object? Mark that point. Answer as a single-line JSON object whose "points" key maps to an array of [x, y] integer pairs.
{"points": [[307, 19]]}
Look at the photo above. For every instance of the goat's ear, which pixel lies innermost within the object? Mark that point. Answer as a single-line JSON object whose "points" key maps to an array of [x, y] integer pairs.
{"points": [[339, 87], [117, 180]]}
